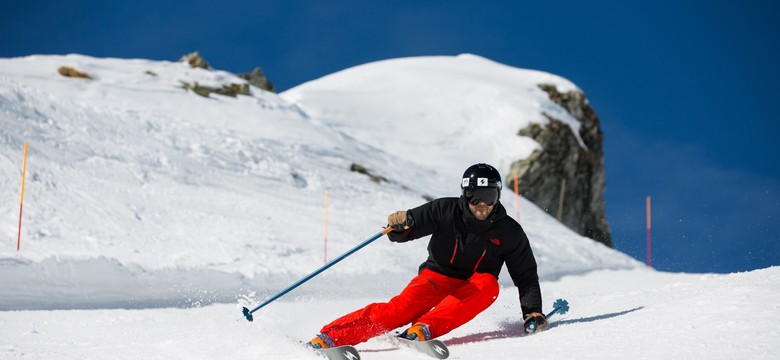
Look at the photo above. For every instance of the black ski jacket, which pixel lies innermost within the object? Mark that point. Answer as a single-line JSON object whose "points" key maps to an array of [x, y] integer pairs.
{"points": [[461, 245]]}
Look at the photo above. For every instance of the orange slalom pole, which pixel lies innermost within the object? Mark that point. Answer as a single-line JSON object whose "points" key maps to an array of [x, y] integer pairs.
{"points": [[326, 228], [21, 200], [649, 239]]}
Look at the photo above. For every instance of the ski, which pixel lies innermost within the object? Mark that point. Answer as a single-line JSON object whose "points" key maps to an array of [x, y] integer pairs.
{"points": [[345, 352], [434, 348]]}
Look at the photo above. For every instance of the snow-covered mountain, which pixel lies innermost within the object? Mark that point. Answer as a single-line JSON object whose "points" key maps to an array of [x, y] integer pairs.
{"points": [[142, 194], [130, 173]]}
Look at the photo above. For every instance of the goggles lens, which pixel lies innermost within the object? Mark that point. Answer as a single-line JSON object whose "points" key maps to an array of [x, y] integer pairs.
{"points": [[488, 195]]}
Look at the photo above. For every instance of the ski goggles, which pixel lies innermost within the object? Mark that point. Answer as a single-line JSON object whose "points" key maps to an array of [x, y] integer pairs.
{"points": [[487, 195]]}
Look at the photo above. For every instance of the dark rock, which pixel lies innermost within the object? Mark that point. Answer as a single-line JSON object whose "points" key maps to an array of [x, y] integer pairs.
{"points": [[68, 71], [258, 79], [564, 162], [195, 60], [362, 170], [231, 89]]}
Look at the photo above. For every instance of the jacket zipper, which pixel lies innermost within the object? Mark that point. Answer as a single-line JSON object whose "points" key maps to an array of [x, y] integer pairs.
{"points": [[479, 261], [454, 252]]}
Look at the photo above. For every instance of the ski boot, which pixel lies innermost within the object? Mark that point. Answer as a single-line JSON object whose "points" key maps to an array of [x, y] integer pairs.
{"points": [[321, 341], [419, 332]]}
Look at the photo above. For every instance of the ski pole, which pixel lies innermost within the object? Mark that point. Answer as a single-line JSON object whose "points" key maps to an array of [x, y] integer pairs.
{"points": [[560, 306], [248, 313]]}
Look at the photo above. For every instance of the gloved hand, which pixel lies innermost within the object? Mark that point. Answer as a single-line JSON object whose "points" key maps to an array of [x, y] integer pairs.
{"points": [[400, 220], [535, 322]]}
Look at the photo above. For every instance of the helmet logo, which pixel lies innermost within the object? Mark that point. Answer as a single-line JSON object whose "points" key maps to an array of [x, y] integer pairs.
{"points": [[482, 182], [465, 182]]}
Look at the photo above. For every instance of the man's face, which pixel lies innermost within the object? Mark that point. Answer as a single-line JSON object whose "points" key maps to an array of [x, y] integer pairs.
{"points": [[481, 210]]}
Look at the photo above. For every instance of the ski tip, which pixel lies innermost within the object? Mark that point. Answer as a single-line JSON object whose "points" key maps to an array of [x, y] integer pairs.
{"points": [[247, 314], [345, 352], [434, 348]]}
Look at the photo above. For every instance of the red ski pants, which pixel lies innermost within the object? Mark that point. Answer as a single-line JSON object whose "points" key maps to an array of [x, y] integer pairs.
{"points": [[441, 302]]}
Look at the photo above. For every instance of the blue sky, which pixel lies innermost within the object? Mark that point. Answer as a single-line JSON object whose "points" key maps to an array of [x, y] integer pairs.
{"points": [[686, 90]]}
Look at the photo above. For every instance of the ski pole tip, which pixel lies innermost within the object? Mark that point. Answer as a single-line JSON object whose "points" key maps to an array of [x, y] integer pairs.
{"points": [[247, 314]]}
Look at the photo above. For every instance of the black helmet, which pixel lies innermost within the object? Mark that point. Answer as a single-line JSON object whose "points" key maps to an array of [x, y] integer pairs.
{"points": [[481, 182]]}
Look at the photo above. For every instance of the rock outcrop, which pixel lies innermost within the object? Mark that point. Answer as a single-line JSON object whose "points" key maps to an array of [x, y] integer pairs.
{"points": [[258, 79], [255, 78], [68, 71], [565, 167], [195, 60]]}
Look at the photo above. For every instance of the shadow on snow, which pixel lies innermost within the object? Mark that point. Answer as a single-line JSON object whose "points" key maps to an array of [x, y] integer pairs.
{"points": [[515, 329]]}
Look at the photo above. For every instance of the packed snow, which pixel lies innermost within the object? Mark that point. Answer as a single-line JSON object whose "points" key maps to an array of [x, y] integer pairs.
{"points": [[152, 214]]}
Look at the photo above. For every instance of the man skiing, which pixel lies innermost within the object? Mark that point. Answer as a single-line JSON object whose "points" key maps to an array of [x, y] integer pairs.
{"points": [[471, 238]]}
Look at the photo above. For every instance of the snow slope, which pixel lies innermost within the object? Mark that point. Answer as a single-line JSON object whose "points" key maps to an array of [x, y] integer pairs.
{"points": [[158, 212], [629, 314]]}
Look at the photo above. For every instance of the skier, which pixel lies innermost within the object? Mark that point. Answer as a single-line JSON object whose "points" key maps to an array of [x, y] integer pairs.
{"points": [[471, 238]]}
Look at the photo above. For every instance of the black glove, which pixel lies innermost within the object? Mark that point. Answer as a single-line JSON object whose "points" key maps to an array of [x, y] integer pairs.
{"points": [[535, 322], [400, 220]]}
